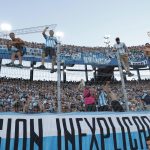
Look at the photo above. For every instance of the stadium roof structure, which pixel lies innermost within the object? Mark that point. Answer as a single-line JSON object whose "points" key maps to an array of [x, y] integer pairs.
{"points": [[28, 30]]}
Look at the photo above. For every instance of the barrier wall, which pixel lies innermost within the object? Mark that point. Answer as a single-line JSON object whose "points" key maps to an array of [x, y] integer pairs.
{"points": [[74, 131], [136, 58]]}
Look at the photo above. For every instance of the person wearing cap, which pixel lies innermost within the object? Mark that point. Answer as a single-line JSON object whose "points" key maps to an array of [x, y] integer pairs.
{"points": [[35, 107], [17, 46], [123, 52], [50, 49], [146, 99]]}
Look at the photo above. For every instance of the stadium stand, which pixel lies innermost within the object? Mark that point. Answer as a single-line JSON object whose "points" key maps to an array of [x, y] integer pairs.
{"points": [[29, 118], [24, 95]]}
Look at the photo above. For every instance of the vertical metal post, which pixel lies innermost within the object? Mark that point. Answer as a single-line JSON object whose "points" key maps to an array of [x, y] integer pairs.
{"points": [[122, 81], [58, 78], [86, 73], [31, 71], [94, 74], [64, 73], [0, 64], [138, 74]]}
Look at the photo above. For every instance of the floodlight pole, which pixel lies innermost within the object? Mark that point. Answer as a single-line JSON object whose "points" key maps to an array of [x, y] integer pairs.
{"points": [[122, 81], [107, 42], [58, 79]]}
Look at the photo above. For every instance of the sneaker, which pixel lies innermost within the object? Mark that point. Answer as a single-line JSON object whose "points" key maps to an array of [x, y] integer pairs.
{"points": [[53, 70], [130, 74], [11, 64], [41, 67], [19, 66], [70, 65], [60, 63]]}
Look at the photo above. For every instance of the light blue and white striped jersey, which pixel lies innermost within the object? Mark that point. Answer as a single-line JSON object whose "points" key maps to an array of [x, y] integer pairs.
{"points": [[102, 100], [50, 41]]}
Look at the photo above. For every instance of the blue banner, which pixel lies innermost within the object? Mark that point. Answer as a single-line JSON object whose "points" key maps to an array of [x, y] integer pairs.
{"points": [[136, 57]]}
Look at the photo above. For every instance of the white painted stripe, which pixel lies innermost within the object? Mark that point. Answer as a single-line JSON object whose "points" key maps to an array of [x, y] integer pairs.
{"points": [[50, 129]]}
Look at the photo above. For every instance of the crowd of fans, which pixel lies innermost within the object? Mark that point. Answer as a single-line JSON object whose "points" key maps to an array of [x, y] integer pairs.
{"points": [[136, 53], [19, 95], [41, 96], [71, 48]]}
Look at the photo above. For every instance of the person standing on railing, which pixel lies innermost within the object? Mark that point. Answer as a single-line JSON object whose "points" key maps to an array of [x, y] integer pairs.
{"points": [[18, 50], [50, 49], [123, 53]]}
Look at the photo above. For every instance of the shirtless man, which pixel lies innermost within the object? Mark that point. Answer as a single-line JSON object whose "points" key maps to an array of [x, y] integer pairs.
{"points": [[147, 49], [17, 45], [115, 104]]}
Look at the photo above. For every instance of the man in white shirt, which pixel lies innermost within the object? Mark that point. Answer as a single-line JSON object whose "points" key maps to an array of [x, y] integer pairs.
{"points": [[123, 52]]}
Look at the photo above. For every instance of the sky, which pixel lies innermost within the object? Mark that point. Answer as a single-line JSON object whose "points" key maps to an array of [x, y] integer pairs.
{"points": [[84, 22]]}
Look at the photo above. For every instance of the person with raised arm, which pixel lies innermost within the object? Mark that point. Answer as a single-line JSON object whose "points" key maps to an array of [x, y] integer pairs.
{"points": [[50, 49]]}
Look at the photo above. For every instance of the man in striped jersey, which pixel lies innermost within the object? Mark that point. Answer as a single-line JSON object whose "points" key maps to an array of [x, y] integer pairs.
{"points": [[103, 100], [50, 49]]}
